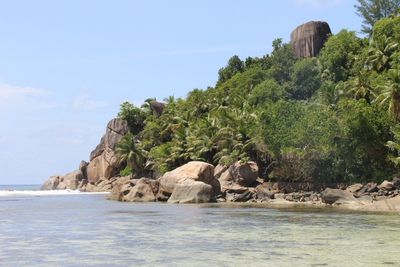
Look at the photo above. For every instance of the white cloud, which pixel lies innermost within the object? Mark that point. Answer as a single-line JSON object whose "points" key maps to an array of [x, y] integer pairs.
{"points": [[11, 92], [318, 3], [85, 102], [23, 98]]}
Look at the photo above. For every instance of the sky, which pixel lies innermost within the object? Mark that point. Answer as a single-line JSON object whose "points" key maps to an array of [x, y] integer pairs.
{"points": [[65, 66]]}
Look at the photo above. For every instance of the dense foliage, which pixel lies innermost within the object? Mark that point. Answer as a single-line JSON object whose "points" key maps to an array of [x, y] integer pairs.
{"points": [[374, 10], [334, 118]]}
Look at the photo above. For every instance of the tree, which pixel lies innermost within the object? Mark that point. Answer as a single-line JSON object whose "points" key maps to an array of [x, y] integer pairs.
{"points": [[133, 115], [128, 151], [357, 87], [235, 65], [391, 93], [380, 51], [339, 55], [267, 91], [282, 60], [373, 10], [306, 79]]}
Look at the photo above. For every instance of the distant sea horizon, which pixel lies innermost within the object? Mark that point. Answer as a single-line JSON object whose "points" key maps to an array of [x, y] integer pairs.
{"points": [[20, 186]]}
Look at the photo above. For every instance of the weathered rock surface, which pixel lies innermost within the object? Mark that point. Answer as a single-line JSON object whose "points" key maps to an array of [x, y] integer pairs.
{"points": [[194, 170], [97, 175], [145, 190], [191, 192], [308, 39], [386, 186], [237, 177], [337, 196], [121, 187], [156, 107], [103, 162], [51, 183], [354, 188]]}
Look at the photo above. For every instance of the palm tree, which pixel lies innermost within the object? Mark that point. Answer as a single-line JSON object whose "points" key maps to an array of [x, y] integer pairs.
{"points": [[379, 54], [391, 93], [128, 151], [358, 87]]}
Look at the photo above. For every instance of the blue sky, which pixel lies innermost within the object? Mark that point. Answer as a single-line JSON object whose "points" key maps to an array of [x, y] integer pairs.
{"points": [[65, 66]]}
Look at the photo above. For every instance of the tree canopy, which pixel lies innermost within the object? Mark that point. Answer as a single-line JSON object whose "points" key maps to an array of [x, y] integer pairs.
{"points": [[333, 118]]}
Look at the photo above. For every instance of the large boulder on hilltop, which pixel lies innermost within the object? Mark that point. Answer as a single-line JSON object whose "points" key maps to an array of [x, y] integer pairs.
{"points": [[103, 161], [308, 39], [337, 196], [191, 191], [194, 170]]}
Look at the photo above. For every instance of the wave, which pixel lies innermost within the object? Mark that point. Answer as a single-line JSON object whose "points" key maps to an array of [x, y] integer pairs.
{"points": [[13, 193]]}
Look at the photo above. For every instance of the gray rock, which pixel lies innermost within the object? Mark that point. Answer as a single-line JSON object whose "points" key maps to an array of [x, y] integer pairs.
{"points": [[243, 197], [191, 192], [145, 190], [51, 183], [337, 196]]}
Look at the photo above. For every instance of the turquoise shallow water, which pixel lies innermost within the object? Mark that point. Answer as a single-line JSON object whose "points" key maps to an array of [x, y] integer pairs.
{"points": [[87, 230]]}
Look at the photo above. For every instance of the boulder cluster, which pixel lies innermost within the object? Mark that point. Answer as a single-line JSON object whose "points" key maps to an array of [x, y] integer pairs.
{"points": [[194, 182], [99, 173]]}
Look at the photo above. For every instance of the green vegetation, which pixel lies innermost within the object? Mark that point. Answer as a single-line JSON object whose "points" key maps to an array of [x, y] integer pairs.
{"points": [[374, 10], [334, 118]]}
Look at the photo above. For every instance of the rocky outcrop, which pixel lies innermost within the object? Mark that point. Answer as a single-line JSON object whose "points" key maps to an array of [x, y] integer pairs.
{"points": [[156, 107], [51, 183], [308, 39], [69, 181], [103, 162], [99, 173]]}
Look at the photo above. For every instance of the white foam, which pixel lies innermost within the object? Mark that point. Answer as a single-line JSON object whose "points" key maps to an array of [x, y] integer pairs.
{"points": [[13, 193]]}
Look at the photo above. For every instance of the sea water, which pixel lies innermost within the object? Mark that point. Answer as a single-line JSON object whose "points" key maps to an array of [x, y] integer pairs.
{"points": [[68, 228]]}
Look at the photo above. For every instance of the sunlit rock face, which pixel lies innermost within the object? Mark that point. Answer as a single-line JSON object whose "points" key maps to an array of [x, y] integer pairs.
{"points": [[308, 39], [103, 161]]}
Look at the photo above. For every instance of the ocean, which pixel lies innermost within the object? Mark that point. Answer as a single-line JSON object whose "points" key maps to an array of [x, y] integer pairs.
{"points": [[68, 228]]}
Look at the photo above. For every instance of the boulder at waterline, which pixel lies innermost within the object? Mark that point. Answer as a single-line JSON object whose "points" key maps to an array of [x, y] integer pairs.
{"points": [[192, 192], [192, 171], [145, 190], [337, 196], [51, 183]]}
